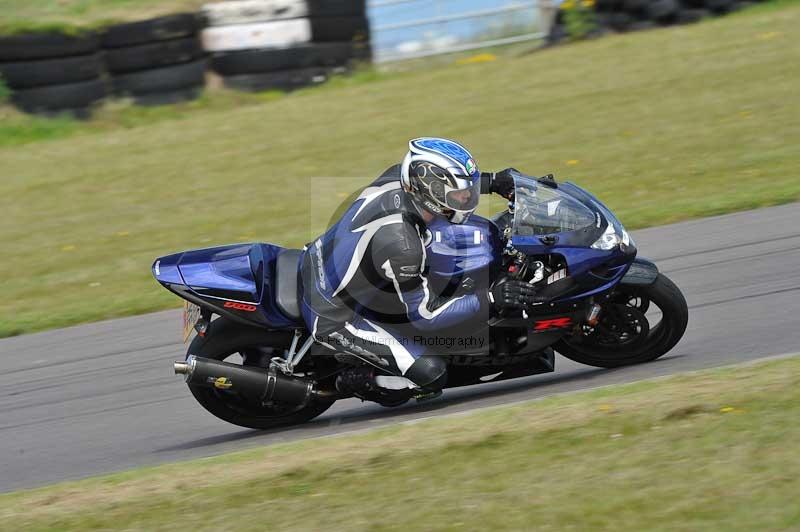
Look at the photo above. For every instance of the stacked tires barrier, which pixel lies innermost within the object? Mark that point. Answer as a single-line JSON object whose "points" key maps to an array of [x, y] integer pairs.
{"points": [[633, 15], [284, 44], [52, 73], [252, 44], [156, 61]]}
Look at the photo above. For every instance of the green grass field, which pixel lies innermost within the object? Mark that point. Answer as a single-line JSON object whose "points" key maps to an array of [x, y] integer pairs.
{"points": [[71, 15], [708, 451], [663, 125]]}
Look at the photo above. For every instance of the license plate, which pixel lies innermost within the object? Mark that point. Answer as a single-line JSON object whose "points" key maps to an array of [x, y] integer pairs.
{"points": [[191, 314]]}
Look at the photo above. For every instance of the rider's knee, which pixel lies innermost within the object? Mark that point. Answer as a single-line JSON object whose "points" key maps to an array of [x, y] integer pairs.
{"points": [[428, 372]]}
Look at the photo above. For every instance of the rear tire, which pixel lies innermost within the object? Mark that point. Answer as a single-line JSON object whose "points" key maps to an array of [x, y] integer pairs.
{"points": [[225, 338], [664, 294]]}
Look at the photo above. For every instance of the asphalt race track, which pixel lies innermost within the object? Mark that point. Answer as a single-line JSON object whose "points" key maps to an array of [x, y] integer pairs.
{"points": [[102, 397]]}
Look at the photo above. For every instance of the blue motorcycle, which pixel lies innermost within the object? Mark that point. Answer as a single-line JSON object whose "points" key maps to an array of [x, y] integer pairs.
{"points": [[254, 363]]}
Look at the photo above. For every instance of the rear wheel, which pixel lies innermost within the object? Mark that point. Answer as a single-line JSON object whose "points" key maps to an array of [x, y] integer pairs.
{"points": [[638, 324], [250, 346]]}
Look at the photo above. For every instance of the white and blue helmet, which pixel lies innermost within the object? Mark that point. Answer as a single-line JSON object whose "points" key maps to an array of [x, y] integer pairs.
{"points": [[442, 177]]}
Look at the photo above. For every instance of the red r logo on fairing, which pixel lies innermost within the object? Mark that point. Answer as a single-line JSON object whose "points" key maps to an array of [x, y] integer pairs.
{"points": [[556, 323]]}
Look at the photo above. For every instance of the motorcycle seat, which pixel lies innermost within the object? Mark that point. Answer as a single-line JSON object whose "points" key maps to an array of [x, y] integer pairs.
{"points": [[286, 282]]}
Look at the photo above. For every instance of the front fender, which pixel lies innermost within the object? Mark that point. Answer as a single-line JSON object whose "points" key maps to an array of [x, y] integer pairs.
{"points": [[641, 273]]}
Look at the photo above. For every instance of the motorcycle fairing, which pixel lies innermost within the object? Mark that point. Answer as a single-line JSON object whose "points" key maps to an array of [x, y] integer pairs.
{"points": [[221, 273], [236, 281], [594, 271]]}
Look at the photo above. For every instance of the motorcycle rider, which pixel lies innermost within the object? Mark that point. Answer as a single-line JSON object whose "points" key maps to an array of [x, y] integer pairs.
{"points": [[364, 288]]}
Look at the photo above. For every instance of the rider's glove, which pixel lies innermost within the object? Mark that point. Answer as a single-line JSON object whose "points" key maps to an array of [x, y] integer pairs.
{"points": [[512, 294], [503, 182]]}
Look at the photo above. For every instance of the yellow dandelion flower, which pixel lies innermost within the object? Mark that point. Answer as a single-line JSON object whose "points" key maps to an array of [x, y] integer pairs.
{"points": [[588, 3], [726, 409], [769, 35], [573, 162], [480, 58]]}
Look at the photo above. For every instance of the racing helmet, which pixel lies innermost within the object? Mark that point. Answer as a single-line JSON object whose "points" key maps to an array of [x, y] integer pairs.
{"points": [[441, 177]]}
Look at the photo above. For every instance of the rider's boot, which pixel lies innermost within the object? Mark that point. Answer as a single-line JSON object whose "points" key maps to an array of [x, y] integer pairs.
{"points": [[363, 382], [429, 373], [358, 381], [425, 377]]}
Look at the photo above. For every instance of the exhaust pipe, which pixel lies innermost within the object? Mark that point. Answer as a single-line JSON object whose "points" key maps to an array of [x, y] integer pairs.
{"points": [[259, 383]]}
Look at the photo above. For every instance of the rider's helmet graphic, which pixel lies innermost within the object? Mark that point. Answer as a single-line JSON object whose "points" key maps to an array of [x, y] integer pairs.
{"points": [[441, 176]]}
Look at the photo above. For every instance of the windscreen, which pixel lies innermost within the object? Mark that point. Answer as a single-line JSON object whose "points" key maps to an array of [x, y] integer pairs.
{"points": [[541, 210]]}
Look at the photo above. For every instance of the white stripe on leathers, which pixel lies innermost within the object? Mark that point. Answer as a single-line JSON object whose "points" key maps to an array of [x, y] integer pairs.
{"points": [[369, 231], [422, 310], [402, 357], [370, 193]]}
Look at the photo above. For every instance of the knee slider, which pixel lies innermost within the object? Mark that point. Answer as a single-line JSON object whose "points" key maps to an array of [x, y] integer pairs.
{"points": [[428, 372]]}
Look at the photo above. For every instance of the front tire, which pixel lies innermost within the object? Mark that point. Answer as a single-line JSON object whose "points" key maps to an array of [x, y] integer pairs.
{"points": [[631, 303], [224, 339]]}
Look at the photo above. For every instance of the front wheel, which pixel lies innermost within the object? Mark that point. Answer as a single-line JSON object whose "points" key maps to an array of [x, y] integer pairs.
{"points": [[232, 342], [638, 324]]}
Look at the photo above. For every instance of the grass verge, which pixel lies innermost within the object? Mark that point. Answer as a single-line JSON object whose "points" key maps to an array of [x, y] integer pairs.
{"points": [[70, 16], [711, 450], [663, 125]]}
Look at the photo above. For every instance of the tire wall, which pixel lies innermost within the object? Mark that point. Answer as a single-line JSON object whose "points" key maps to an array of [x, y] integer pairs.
{"points": [[50, 73], [156, 61], [252, 44], [635, 15], [256, 45]]}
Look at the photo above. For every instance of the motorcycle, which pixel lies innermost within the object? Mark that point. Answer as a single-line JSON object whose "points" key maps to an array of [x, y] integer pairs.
{"points": [[256, 365]]}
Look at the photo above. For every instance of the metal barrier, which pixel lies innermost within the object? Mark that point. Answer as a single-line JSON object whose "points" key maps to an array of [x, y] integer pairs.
{"points": [[525, 21]]}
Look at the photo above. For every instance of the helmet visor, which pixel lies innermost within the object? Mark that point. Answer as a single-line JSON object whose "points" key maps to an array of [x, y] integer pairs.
{"points": [[463, 199]]}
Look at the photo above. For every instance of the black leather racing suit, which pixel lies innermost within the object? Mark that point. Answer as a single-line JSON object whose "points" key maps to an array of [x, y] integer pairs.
{"points": [[365, 291]]}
